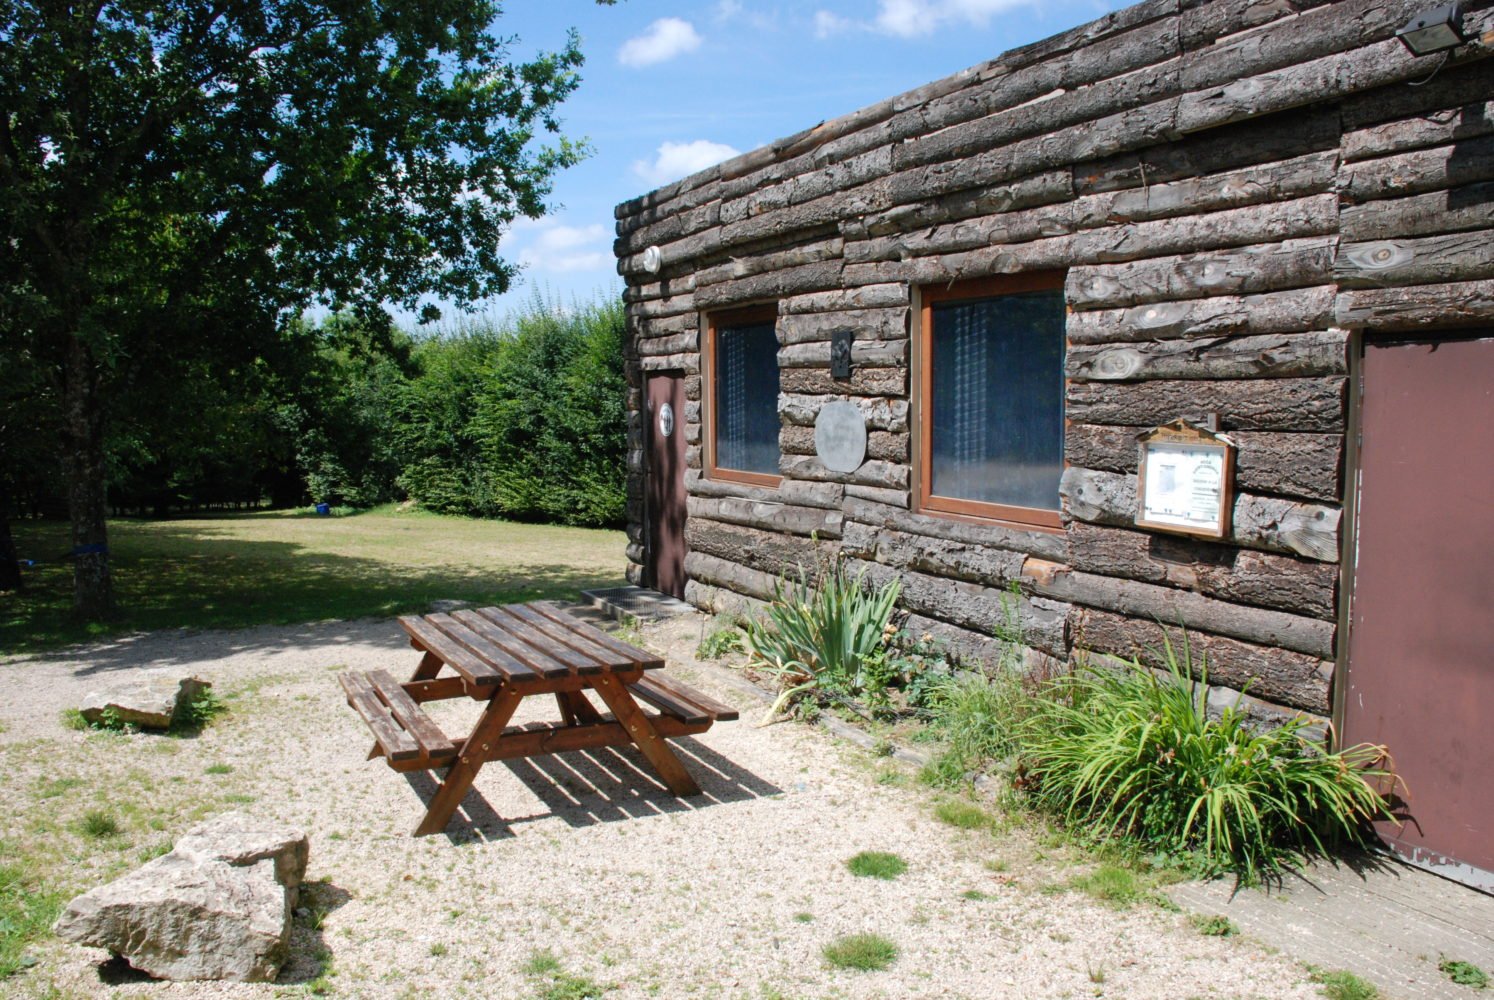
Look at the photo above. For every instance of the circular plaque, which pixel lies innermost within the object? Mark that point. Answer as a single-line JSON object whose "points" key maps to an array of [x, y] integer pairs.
{"points": [[840, 436], [666, 420]]}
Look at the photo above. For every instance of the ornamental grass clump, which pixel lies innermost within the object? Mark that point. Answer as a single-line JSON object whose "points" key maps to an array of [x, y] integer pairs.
{"points": [[824, 637], [1134, 755]]}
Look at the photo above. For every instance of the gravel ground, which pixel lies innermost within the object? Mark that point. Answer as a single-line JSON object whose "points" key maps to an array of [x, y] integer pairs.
{"points": [[733, 894]]}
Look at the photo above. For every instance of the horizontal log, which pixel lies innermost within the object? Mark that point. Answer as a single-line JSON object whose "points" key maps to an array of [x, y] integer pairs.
{"points": [[721, 600], [1202, 24], [733, 576], [1444, 128], [1395, 108], [868, 325], [1292, 465], [885, 475], [1418, 307], [1181, 608], [1286, 404], [1428, 260], [1271, 267], [844, 299], [772, 285], [1224, 315], [1277, 355], [984, 609], [1242, 576], [1285, 677], [1050, 545], [799, 494], [880, 414], [864, 353], [863, 381], [795, 439], [946, 557], [769, 260], [1258, 522], [1026, 192], [880, 495], [980, 651], [1464, 162], [1468, 207], [677, 344], [787, 518], [769, 552]]}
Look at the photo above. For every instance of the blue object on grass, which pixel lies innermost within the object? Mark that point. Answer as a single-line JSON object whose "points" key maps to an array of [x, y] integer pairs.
{"points": [[323, 508]]}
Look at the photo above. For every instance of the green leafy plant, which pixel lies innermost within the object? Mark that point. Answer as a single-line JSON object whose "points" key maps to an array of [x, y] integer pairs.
{"points": [[1463, 973], [1215, 926], [1342, 985], [200, 711], [1128, 753], [877, 864], [823, 638], [725, 638], [865, 952]]}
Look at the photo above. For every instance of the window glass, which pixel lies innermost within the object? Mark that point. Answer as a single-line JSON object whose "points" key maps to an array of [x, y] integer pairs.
{"points": [[747, 398], [997, 399]]}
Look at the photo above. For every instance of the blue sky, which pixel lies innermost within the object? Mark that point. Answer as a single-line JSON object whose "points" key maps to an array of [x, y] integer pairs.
{"points": [[672, 87]]}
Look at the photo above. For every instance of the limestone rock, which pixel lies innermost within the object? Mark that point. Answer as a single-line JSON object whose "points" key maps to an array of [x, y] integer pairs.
{"points": [[217, 907], [147, 700]]}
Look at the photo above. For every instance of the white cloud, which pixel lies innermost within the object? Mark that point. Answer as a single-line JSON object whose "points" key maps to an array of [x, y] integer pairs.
{"points": [[681, 159], [558, 248], [728, 11], [665, 38], [915, 18]]}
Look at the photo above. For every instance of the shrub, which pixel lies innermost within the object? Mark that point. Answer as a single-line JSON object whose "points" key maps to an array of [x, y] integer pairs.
{"points": [[823, 637], [1131, 754], [978, 718], [866, 952]]}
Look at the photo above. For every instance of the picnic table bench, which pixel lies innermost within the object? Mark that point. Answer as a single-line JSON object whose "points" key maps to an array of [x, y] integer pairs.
{"points": [[502, 655]]}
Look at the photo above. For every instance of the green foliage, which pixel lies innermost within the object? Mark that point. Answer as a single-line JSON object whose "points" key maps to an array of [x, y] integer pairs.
{"points": [[877, 864], [962, 814], [724, 637], [978, 718], [99, 824], [1111, 883], [864, 952], [824, 638], [1215, 926], [199, 712], [27, 909], [1125, 753], [1342, 985], [557, 984], [1463, 973]]}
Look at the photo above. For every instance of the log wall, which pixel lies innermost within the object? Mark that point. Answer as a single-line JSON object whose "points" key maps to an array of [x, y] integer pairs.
{"points": [[1235, 188]]}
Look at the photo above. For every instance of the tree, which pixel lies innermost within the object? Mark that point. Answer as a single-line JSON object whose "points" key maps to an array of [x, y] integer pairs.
{"points": [[181, 176]]}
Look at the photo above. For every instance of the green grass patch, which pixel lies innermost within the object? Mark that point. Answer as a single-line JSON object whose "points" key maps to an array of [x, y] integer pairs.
{"points": [[962, 814], [286, 567], [1463, 973], [99, 824], [1342, 985], [1215, 926], [1111, 883], [27, 910], [877, 864], [864, 952], [554, 983], [218, 769], [804, 917]]}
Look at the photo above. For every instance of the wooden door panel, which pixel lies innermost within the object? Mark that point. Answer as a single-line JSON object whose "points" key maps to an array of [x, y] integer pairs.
{"points": [[665, 485]]}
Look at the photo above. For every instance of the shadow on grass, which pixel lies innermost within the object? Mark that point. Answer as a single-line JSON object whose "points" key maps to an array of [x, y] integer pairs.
{"points": [[607, 785], [175, 575]]}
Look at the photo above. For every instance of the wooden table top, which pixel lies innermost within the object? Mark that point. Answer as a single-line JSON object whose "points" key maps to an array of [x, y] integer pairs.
{"points": [[531, 642]]}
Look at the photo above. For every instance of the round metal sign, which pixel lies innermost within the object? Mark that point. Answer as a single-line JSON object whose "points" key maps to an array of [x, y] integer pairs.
{"points": [[666, 420], [840, 436]]}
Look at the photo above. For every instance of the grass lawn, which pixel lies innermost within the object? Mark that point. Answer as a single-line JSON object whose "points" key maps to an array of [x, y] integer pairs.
{"points": [[282, 567]]}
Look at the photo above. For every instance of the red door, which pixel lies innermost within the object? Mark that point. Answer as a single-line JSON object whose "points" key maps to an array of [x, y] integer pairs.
{"points": [[665, 491], [1421, 641]]}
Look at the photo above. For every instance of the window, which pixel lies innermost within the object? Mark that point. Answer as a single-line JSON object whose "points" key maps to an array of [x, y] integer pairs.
{"points": [[742, 413], [991, 399]]}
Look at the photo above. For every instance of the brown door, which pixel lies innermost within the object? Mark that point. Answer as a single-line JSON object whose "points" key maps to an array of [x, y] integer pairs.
{"points": [[665, 491], [1421, 641]]}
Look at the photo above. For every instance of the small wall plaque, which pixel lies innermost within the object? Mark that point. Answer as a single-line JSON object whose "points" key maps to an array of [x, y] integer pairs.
{"points": [[840, 436], [840, 353], [1186, 480]]}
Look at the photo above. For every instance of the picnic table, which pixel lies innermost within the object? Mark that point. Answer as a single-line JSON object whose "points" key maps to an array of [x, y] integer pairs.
{"points": [[500, 656]]}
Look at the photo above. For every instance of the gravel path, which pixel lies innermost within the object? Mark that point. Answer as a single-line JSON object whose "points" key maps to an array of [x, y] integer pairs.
{"points": [[730, 895]]}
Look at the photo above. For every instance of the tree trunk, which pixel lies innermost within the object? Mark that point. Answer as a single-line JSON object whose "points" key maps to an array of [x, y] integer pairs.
{"points": [[10, 563], [83, 462]]}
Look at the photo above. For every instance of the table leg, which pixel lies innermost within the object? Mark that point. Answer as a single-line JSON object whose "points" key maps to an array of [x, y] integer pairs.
{"points": [[426, 670], [463, 771], [582, 710], [643, 734]]}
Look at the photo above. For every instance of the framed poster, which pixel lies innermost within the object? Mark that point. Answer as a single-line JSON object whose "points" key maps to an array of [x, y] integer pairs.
{"points": [[1186, 480]]}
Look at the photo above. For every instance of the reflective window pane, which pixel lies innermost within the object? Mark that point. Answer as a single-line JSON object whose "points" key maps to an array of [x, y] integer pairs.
{"points": [[747, 398], [997, 405]]}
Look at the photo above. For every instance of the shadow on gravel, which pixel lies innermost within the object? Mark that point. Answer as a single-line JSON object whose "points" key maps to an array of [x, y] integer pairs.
{"points": [[608, 785]]}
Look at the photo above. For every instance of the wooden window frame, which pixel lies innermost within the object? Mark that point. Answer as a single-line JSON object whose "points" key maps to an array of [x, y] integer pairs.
{"points": [[1006, 515], [747, 315]]}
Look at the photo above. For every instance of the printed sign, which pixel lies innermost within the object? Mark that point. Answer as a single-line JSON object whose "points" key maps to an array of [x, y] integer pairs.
{"points": [[1186, 480]]}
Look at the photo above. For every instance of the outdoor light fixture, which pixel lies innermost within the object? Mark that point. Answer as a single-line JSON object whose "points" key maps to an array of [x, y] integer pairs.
{"points": [[653, 259], [1435, 30]]}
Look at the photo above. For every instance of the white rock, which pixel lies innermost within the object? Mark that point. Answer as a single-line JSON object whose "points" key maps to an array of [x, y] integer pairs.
{"points": [[217, 907], [149, 699]]}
